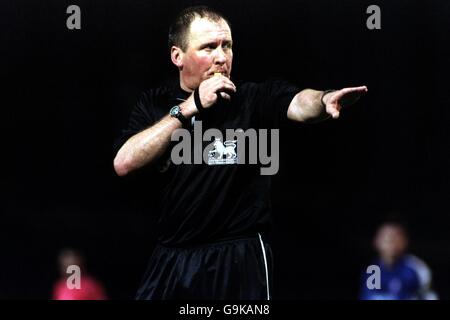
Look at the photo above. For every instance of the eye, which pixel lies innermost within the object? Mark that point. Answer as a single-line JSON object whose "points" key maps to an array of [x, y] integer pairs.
{"points": [[209, 47]]}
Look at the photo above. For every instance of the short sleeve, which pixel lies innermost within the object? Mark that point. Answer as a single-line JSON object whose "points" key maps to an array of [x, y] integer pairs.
{"points": [[141, 117], [148, 110], [275, 96]]}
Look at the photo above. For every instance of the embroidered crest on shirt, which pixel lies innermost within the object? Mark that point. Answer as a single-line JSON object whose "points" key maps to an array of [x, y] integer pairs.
{"points": [[223, 153]]}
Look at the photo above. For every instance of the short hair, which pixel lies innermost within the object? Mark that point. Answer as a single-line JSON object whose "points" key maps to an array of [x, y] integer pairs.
{"points": [[180, 27], [396, 221]]}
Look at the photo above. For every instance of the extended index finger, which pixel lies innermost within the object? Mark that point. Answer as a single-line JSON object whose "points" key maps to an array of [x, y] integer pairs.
{"points": [[349, 96], [358, 91], [361, 89]]}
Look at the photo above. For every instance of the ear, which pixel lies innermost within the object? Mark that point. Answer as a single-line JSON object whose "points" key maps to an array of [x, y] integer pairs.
{"points": [[176, 54]]}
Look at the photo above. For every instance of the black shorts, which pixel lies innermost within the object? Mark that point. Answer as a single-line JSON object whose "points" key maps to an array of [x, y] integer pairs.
{"points": [[238, 269]]}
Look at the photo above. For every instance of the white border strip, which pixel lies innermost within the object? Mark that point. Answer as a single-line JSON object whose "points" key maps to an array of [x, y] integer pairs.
{"points": [[265, 264]]}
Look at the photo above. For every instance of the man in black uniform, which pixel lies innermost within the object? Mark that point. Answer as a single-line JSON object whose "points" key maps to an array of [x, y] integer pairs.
{"points": [[212, 216]]}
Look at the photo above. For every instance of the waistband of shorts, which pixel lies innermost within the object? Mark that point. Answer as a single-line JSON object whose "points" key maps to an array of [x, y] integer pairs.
{"points": [[212, 243]]}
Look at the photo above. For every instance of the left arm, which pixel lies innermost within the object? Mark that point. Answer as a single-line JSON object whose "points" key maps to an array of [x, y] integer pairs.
{"points": [[307, 105]]}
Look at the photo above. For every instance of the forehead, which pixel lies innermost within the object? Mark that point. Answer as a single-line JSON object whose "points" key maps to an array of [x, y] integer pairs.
{"points": [[204, 30], [391, 231]]}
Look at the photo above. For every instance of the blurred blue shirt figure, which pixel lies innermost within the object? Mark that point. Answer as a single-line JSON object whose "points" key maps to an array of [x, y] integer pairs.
{"points": [[402, 276]]}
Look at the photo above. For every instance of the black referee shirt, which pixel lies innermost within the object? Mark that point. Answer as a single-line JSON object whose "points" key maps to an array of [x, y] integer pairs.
{"points": [[201, 203]]}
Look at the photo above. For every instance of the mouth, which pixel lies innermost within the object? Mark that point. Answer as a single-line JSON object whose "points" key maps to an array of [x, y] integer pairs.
{"points": [[219, 73]]}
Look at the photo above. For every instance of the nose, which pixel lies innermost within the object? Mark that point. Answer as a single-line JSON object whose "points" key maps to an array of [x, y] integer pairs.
{"points": [[220, 57]]}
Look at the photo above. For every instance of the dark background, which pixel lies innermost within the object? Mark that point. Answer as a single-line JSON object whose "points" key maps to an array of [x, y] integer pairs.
{"points": [[66, 94]]}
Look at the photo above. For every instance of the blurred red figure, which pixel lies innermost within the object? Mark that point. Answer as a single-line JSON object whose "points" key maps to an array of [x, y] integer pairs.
{"points": [[89, 289]]}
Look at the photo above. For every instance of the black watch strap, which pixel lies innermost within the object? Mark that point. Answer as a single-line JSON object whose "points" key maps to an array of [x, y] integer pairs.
{"points": [[180, 116]]}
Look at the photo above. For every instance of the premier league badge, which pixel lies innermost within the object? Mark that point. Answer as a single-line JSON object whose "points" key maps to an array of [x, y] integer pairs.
{"points": [[223, 153]]}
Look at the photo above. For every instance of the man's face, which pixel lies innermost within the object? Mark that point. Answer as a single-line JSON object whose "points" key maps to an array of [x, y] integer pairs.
{"points": [[209, 51], [69, 258], [391, 241]]}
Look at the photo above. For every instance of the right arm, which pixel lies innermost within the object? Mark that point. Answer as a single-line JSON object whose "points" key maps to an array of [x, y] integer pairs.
{"points": [[149, 144]]}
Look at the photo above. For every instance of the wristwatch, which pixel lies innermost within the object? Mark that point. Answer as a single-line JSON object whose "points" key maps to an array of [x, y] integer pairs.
{"points": [[176, 113]]}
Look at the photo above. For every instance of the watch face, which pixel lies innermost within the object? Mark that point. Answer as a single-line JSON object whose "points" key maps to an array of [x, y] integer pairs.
{"points": [[174, 111]]}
